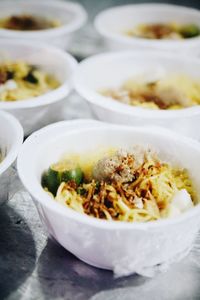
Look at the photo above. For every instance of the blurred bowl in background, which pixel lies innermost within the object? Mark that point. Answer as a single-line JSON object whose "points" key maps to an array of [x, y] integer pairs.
{"points": [[110, 70], [11, 139], [72, 17], [33, 113], [114, 22]]}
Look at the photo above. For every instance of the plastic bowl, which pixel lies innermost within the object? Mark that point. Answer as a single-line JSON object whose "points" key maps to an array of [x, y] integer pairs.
{"points": [[11, 139], [112, 69], [119, 246], [36, 112], [113, 22], [71, 15]]}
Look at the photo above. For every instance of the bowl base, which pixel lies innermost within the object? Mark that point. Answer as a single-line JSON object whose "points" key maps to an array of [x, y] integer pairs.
{"points": [[91, 263]]}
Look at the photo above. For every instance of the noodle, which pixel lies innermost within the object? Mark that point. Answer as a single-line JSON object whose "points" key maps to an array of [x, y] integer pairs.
{"points": [[28, 22], [172, 92], [20, 81], [127, 187], [172, 31]]}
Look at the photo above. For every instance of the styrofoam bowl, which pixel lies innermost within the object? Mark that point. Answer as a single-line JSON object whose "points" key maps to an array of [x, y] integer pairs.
{"points": [[11, 139], [113, 22], [119, 246], [110, 70], [71, 15], [33, 113]]}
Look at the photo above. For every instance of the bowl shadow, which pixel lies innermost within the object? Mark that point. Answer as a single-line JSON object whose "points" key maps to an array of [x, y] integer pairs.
{"points": [[17, 251], [63, 276]]}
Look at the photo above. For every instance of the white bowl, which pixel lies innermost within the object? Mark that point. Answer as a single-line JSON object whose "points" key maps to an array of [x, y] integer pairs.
{"points": [[120, 246], [112, 69], [113, 22], [11, 139], [72, 16], [33, 113]]}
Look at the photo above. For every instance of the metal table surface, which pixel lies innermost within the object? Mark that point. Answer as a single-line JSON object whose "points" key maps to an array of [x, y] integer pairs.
{"points": [[32, 266]]}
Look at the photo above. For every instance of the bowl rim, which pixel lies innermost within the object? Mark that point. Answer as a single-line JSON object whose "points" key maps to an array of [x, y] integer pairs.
{"points": [[112, 105], [79, 20], [46, 200], [52, 96], [10, 157], [133, 41]]}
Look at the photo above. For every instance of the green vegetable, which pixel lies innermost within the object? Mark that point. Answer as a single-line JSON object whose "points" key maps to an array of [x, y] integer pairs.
{"points": [[190, 31], [97, 188], [75, 174], [31, 78], [10, 75], [81, 191], [52, 178]]}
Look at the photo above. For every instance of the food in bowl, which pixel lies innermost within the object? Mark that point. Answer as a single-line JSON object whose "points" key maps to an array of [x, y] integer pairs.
{"points": [[106, 243], [159, 31], [174, 91], [20, 80], [27, 22], [1, 156], [11, 139], [51, 22], [122, 185]]}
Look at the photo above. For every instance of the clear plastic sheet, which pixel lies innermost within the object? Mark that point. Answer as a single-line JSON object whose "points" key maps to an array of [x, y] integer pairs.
{"points": [[151, 271]]}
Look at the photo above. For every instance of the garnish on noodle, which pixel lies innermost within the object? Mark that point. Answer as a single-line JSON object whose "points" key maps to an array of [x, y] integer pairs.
{"points": [[20, 80], [132, 186], [175, 91]]}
